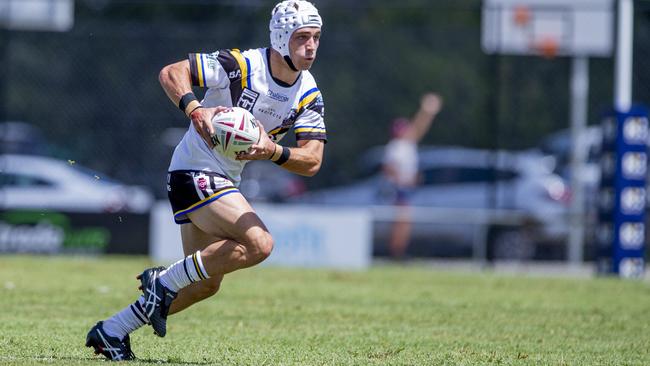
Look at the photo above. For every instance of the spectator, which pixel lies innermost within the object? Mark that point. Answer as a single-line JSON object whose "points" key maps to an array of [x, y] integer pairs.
{"points": [[400, 167]]}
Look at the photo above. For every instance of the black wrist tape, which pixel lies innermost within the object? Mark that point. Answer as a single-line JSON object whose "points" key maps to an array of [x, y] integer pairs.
{"points": [[286, 152], [185, 100]]}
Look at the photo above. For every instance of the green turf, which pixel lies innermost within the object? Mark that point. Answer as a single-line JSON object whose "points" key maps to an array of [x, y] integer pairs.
{"points": [[386, 316]]}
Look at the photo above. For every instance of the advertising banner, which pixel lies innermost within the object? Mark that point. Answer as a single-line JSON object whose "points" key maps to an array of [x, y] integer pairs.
{"points": [[305, 236], [623, 193], [319, 236], [54, 232]]}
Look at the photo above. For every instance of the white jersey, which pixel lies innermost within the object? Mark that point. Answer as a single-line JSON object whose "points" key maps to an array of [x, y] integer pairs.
{"points": [[243, 79], [402, 155]]}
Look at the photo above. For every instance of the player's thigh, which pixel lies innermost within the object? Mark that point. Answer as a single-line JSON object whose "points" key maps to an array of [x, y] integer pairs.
{"points": [[229, 217], [196, 239]]}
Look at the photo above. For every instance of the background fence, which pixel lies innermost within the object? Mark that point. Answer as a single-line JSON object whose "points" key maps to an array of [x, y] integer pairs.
{"points": [[95, 94]]}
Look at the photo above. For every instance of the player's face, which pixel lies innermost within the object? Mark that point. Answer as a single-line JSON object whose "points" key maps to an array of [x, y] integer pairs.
{"points": [[303, 45]]}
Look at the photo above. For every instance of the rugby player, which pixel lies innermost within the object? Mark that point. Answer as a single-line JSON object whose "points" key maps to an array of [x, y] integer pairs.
{"points": [[220, 231]]}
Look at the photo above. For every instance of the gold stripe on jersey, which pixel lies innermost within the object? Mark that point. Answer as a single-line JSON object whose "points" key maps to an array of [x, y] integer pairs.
{"points": [[242, 66], [199, 70], [275, 130], [309, 129], [196, 69], [278, 131], [308, 99]]}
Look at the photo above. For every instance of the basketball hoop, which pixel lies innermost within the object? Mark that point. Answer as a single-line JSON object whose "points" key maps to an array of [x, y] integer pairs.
{"points": [[521, 15], [548, 28], [547, 46]]}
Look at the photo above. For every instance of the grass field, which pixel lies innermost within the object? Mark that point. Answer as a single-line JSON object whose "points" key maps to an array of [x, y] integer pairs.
{"points": [[388, 315]]}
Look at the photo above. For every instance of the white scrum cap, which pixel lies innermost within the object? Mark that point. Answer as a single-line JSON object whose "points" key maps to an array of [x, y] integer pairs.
{"points": [[286, 17]]}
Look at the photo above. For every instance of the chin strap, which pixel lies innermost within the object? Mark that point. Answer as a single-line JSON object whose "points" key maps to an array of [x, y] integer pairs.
{"points": [[290, 63]]}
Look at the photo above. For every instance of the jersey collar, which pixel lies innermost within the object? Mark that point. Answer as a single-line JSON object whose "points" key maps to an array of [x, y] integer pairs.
{"points": [[278, 81]]}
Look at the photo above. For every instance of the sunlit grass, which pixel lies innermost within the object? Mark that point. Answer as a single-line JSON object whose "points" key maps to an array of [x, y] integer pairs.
{"points": [[389, 315]]}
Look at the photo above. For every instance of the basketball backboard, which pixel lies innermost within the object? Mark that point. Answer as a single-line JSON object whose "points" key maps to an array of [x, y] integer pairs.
{"points": [[548, 27], [40, 15]]}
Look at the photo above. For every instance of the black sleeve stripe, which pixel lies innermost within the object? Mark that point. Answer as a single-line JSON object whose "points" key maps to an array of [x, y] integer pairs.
{"points": [[192, 57], [230, 65], [234, 73], [316, 107], [311, 136]]}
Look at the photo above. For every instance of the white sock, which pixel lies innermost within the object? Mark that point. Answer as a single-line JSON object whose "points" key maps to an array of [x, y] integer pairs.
{"points": [[180, 274], [126, 321]]}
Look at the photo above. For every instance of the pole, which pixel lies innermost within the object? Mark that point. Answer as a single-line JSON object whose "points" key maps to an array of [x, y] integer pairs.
{"points": [[624, 51], [579, 150], [482, 250], [4, 72], [4, 58]]}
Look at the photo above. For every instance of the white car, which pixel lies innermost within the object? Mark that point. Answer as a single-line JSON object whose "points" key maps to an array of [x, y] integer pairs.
{"points": [[38, 182], [457, 179]]}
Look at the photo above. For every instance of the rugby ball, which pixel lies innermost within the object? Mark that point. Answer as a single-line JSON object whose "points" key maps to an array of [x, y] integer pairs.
{"points": [[235, 131]]}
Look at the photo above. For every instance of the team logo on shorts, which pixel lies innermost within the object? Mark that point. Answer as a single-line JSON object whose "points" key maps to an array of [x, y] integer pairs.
{"points": [[202, 183]]}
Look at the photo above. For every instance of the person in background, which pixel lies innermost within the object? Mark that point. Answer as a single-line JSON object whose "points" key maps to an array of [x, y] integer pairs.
{"points": [[400, 167]]}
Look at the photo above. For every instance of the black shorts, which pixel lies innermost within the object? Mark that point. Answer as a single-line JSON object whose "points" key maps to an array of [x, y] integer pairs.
{"points": [[188, 190]]}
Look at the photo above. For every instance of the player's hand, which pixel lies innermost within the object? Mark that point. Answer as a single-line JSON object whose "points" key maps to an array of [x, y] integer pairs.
{"points": [[431, 103], [263, 150], [202, 121]]}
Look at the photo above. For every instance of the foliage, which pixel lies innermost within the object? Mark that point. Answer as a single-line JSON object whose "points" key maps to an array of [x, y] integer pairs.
{"points": [[95, 92]]}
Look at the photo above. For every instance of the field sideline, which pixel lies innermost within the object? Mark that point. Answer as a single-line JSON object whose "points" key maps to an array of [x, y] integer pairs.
{"points": [[388, 315]]}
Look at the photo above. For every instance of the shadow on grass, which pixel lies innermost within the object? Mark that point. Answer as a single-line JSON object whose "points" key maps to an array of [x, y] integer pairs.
{"points": [[70, 360], [173, 362]]}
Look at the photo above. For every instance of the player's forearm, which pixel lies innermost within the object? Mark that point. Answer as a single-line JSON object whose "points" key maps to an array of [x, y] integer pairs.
{"points": [[175, 79], [302, 162]]}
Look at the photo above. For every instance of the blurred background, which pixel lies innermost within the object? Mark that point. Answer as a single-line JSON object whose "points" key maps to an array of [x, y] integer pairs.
{"points": [[495, 165]]}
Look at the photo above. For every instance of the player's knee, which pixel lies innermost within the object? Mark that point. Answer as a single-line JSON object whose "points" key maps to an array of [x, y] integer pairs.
{"points": [[261, 246]]}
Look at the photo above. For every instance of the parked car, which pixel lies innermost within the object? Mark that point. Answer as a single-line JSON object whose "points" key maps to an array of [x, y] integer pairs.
{"points": [[38, 182], [264, 182], [559, 145], [457, 179]]}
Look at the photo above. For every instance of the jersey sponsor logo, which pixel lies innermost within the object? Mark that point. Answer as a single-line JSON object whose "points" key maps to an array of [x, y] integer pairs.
{"points": [[320, 106], [247, 99], [235, 74], [211, 60], [270, 112], [277, 96]]}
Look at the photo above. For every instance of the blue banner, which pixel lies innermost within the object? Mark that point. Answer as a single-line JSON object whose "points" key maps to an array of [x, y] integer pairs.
{"points": [[623, 193]]}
